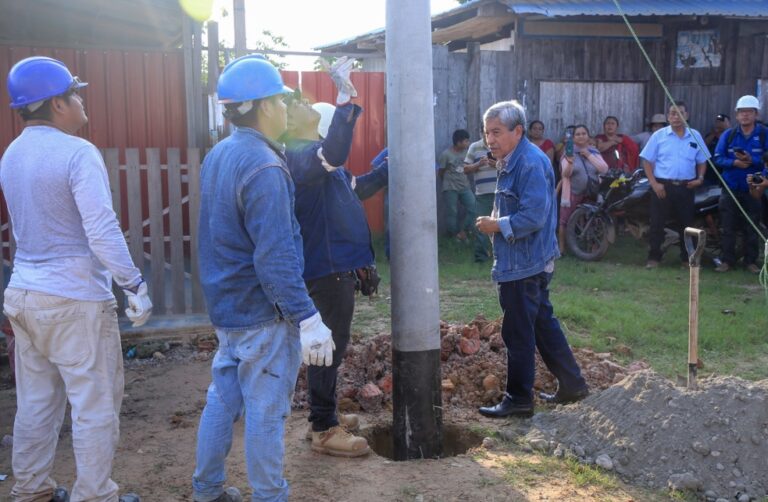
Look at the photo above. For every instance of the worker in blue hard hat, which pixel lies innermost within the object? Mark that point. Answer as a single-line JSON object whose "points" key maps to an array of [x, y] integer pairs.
{"points": [[59, 299], [251, 265]]}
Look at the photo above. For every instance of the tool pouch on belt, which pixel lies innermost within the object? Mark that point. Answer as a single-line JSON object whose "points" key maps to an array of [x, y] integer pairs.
{"points": [[367, 280]]}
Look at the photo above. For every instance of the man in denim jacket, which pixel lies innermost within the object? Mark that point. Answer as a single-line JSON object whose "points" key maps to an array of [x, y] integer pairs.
{"points": [[337, 241], [250, 268], [522, 227]]}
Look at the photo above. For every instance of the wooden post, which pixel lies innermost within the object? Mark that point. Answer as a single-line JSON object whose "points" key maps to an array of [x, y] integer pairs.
{"points": [[694, 262], [112, 160], [189, 84], [241, 46], [156, 230], [135, 219], [176, 225], [213, 56], [193, 175], [473, 90], [201, 126]]}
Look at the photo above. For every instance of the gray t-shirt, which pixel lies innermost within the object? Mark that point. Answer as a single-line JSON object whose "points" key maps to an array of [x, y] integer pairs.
{"points": [[453, 175], [582, 168], [67, 235]]}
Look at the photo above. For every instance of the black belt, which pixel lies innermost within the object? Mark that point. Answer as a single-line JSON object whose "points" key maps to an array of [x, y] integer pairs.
{"points": [[674, 182]]}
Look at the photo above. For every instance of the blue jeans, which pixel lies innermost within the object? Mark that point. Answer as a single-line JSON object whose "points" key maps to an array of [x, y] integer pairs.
{"points": [[483, 245], [254, 371], [530, 323], [452, 199]]}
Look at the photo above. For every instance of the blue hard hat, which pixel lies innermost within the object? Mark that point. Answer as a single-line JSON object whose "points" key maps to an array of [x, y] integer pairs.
{"points": [[249, 77], [38, 78]]}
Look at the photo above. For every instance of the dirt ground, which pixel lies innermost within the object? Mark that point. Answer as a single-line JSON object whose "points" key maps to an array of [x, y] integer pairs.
{"points": [[163, 401], [636, 438]]}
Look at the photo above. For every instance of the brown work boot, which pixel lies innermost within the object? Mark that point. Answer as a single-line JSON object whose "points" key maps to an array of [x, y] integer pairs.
{"points": [[339, 442], [650, 264], [723, 267], [753, 269], [350, 421]]}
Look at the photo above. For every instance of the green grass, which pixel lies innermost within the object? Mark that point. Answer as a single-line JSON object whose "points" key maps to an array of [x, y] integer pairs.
{"points": [[589, 475], [614, 302]]}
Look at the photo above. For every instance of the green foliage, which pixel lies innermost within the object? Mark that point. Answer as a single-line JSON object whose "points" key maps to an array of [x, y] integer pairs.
{"points": [[271, 42]]}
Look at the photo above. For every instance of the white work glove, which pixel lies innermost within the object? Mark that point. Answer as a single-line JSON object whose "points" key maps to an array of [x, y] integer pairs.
{"points": [[339, 71], [316, 342], [139, 305]]}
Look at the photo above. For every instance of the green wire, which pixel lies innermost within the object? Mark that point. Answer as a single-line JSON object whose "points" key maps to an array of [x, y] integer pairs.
{"points": [[763, 277]]}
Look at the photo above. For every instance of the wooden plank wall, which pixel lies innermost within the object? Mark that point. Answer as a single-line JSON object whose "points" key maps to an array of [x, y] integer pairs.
{"points": [[450, 72], [467, 83], [162, 234]]}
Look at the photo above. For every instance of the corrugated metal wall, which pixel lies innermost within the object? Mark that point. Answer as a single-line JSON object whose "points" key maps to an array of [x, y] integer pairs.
{"points": [[135, 99]]}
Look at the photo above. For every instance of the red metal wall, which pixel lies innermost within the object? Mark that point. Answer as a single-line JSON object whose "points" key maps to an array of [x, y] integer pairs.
{"points": [[135, 99], [370, 131]]}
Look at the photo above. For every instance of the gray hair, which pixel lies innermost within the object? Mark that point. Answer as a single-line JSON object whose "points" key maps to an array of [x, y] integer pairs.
{"points": [[509, 113]]}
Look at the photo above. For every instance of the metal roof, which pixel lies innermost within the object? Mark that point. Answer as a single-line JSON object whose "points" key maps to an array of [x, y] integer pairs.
{"points": [[556, 8]]}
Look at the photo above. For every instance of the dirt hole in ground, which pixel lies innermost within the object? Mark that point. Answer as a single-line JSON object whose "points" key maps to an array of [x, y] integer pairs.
{"points": [[457, 440]]}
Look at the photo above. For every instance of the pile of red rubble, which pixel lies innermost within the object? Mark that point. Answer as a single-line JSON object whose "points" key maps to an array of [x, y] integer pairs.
{"points": [[473, 369]]}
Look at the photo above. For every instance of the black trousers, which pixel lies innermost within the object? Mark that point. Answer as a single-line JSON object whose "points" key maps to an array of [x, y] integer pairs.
{"points": [[677, 206], [529, 324], [334, 298], [733, 221]]}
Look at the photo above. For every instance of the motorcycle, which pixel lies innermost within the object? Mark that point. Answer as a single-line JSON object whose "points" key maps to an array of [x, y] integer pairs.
{"points": [[591, 229]]}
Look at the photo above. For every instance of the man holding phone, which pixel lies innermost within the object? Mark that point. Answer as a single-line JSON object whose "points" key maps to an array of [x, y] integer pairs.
{"points": [[739, 154], [480, 162], [758, 182]]}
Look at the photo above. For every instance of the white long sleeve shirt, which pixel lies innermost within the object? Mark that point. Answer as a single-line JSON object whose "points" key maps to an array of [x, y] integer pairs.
{"points": [[68, 239]]}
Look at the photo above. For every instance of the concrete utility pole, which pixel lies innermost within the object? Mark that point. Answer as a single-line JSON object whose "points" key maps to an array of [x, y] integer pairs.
{"points": [[417, 415]]}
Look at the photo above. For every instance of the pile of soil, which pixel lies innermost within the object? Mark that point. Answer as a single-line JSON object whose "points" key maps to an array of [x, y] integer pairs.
{"points": [[713, 441], [473, 369]]}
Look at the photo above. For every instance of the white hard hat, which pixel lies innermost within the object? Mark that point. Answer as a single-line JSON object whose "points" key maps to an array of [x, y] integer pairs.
{"points": [[748, 102], [326, 111]]}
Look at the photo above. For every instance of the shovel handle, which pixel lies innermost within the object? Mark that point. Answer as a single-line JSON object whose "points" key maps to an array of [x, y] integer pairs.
{"points": [[694, 253]]}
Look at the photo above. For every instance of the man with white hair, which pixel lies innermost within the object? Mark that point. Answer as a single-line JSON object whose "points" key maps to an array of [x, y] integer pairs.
{"points": [[522, 227]]}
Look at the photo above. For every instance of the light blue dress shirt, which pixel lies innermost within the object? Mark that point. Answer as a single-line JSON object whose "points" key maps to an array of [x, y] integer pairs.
{"points": [[674, 157]]}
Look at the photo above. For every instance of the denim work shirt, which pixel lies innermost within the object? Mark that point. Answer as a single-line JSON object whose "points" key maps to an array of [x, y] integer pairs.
{"points": [[333, 224], [735, 177], [527, 216], [250, 244]]}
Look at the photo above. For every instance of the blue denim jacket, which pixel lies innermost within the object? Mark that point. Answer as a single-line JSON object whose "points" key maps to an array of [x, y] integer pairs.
{"points": [[333, 224], [524, 203], [250, 245]]}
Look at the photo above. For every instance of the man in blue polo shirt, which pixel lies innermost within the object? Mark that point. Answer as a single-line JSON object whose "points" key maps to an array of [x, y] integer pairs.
{"points": [[674, 162], [739, 154]]}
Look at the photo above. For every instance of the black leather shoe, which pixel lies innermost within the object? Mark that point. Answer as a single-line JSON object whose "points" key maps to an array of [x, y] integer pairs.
{"points": [[507, 408], [564, 397]]}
